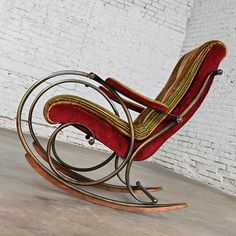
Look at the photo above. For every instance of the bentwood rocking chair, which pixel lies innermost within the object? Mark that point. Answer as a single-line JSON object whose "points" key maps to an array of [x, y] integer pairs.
{"points": [[129, 140]]}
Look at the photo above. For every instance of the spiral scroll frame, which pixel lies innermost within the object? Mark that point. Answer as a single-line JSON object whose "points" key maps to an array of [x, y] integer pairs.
{"points": [[50, 165]]}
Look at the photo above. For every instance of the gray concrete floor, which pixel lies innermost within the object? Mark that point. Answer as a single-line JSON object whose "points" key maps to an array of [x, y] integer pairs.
{"points": [[29, 205]]}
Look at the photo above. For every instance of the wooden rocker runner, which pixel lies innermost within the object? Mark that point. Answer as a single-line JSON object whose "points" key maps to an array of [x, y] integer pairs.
{"points": [[158, 119]]}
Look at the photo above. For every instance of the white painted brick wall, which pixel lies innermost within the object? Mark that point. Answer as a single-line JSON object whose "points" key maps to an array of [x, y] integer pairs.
{"points": [[205, 149], [127, 39], [130, 40], [138, 42]]}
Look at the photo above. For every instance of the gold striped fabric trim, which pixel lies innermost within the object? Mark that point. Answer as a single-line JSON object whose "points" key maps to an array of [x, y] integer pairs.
{"points": [[89, 106]]}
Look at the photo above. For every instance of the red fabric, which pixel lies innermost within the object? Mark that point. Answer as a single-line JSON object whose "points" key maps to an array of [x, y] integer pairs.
{"points": [[118, 142], [147, 102], [103, 131]]}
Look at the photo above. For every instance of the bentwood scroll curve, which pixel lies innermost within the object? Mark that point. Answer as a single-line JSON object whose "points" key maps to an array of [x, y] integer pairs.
{"points": [[31, 152], [30, 115]]}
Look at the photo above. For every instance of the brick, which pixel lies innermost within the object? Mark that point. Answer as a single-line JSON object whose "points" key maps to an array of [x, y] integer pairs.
{"points": [[214, 125], [130, 40]]}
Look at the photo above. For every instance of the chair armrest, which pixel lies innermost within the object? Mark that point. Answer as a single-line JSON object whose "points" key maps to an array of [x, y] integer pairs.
{"points": [[135, 96], [131, 105]]}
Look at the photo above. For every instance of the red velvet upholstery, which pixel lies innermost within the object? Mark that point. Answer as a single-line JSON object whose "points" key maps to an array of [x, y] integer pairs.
{"points": [[102, 130], [119, 142]]}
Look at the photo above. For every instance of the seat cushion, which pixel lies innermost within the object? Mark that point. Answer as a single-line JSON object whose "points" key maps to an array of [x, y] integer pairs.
{"points": [[106, 126]]}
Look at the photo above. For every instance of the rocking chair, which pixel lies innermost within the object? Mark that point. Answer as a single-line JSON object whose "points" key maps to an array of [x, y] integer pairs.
{"points": [[157, 121]]}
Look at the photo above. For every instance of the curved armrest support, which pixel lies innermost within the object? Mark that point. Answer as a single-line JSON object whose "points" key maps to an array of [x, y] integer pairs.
{"points": [[135, 96], [131, 105]]}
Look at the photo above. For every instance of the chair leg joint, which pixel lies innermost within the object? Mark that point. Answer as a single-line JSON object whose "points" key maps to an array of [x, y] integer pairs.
{"points": [[146, 192]]}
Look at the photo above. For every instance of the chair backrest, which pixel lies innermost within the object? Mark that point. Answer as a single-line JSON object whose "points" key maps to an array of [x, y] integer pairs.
{"points": [[182, 87]]}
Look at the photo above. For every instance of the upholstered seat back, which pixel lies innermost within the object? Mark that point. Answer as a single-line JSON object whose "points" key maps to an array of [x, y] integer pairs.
{"points": [[185, 82], [183, 75]]}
